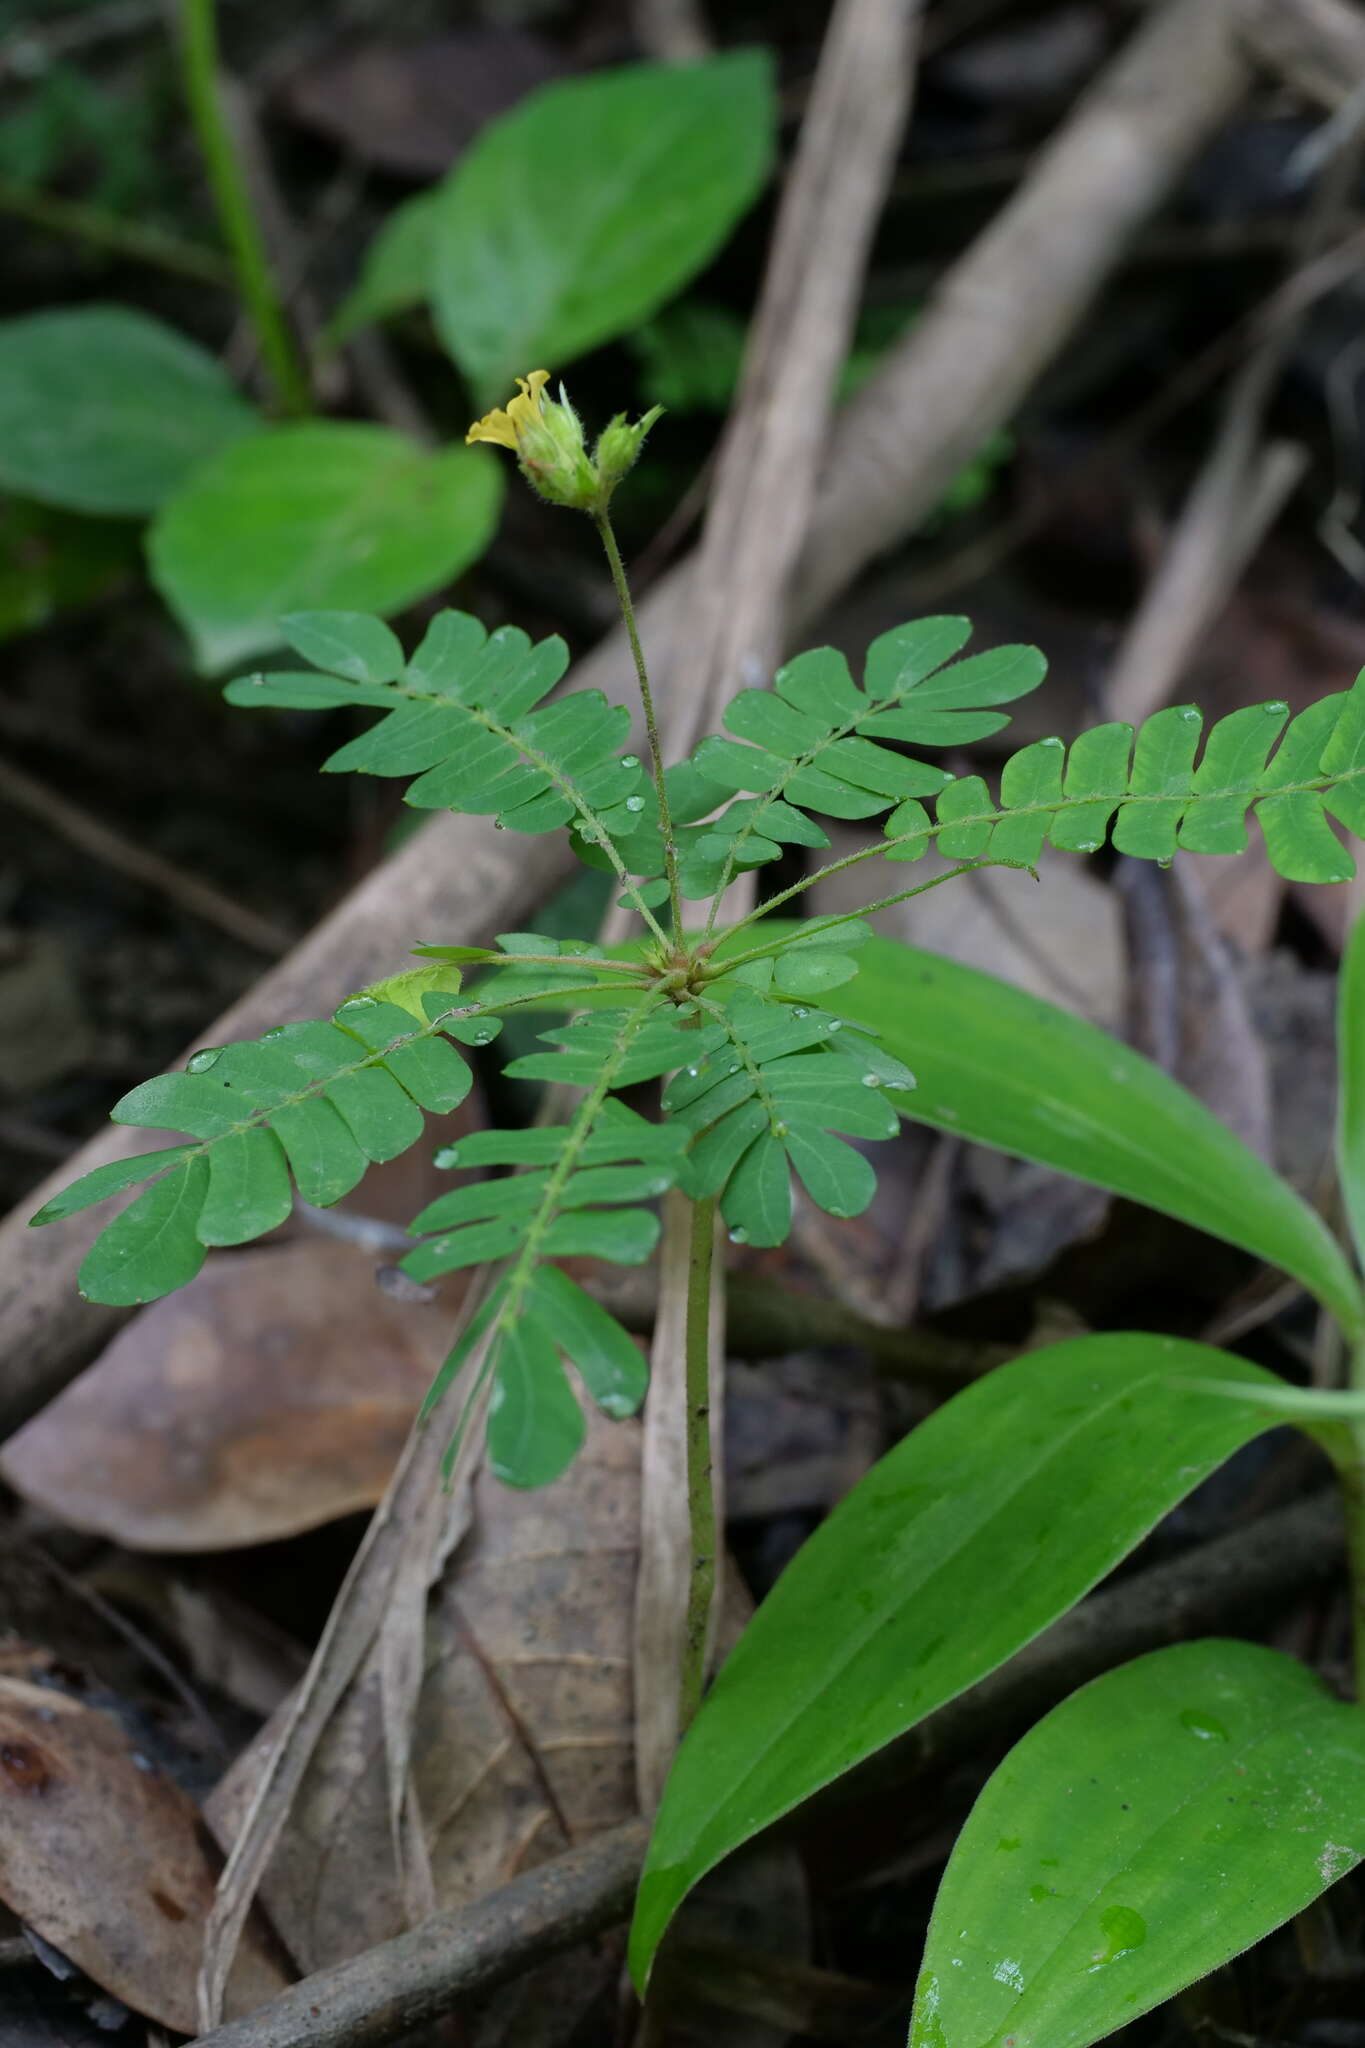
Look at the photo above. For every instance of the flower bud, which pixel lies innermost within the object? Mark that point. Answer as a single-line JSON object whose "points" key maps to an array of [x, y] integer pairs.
{"points": [[546, 436]]}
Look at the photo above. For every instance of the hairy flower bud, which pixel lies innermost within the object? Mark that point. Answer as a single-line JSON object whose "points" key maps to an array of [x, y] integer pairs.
{"points": [[546, 436]]}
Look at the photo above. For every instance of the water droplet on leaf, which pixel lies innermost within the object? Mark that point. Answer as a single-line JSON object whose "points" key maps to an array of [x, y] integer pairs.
{"points": [[200, 1062], [448, 1156], [630, 760], [872, 1080], [1204, 1726], [739, 1235], [635, 803]]}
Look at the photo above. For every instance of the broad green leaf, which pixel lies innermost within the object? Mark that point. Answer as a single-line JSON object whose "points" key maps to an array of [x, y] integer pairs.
{"points": [[151, 1246], [249, 1191], [1351, 1083], [577, 214], [105, 1181], [535, 1426], [396, 273], [1006, 1069], [1153, 1826], [837, 1179], [105, 410], [316, 517], [986, 1523]]}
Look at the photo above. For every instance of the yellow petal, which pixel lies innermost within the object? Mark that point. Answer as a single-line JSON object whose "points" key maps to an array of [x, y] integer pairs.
{"points": [[495, 426]]}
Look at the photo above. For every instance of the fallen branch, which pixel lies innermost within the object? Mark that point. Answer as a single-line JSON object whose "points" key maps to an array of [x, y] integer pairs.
{"points": [[381, 1995], [1317, 45]]}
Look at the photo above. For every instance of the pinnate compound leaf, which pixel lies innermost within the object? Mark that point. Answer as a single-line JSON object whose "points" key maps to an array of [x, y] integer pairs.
{"points": [[105, 410], [764, 1086], [535, 1425], [467, 717], [1004, 1068], [577, 214], [1146, 792], [313, 515], [813, 743], [1150, 1828], [313, 1102], [1008, 1504]]}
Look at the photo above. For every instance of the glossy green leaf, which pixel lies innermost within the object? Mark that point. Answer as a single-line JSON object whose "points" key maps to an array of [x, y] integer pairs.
{"points": [[535, 1426], [151, 1246], [578, 213], [316, 517], [1005, 1506], [1149, 1829], [1351, 1083], [1006, 1069], [105, 410], [249, 1191]]}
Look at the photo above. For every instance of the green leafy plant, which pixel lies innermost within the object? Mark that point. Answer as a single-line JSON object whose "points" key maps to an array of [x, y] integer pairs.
{"points": [[777, 1041], [572, 217]]}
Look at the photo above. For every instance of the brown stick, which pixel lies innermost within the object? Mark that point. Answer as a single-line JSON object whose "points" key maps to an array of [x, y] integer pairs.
{"points": [[101, 843], [1003, 312], [1318, 45], [383, 1994]]}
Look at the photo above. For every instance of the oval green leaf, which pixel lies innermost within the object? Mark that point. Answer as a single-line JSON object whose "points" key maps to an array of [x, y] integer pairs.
{"points": [[104, 410], [321, 516], [587, 206], [1147, 1830], [1007, 1069], [1007, 1505]]}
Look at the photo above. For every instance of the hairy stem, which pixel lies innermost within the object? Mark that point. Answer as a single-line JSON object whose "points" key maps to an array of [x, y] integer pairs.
{"points": [[701, 1501], [623, 598], [821, 924], [241, 229]]}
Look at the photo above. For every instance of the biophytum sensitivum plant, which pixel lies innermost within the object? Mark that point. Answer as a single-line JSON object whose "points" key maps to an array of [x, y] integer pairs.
{"points": [[1165, 1816]]}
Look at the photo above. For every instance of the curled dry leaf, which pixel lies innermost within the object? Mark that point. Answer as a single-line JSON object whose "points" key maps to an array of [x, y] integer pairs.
{"points": [[109, 1861], [272, 1394], [523, 1740]]}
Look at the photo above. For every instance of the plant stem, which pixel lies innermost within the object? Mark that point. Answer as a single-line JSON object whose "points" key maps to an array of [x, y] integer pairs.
{"points": [[701, 1502], [241, 229], [120, 237], [603, 523]]}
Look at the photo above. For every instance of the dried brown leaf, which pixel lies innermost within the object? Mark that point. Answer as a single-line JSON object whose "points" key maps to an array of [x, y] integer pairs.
{"points": [[272, 1394], [109, 1860]]}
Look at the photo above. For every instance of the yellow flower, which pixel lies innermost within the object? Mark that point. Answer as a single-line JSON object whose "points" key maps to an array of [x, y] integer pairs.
{"points": [[507, 427]]}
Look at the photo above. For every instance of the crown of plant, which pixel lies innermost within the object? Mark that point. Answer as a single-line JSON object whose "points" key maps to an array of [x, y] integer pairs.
{"points": [[546, 436]]}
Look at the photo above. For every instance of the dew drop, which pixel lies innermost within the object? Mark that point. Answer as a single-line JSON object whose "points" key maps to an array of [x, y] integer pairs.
{"points": [[781, 1130], [1123, 1930], [1050, 741], [630, 760], [1188, 713], [200, 1062], [635, 803], [275, 1031], [739, 1235], [733, 1067], [800, 1010], [617, 1406], [658, 1187], [692, 1073], [348, 1009], [872, 1080], [257, 682], [1204, 1726], [835, 1024], [448, 1156]]}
